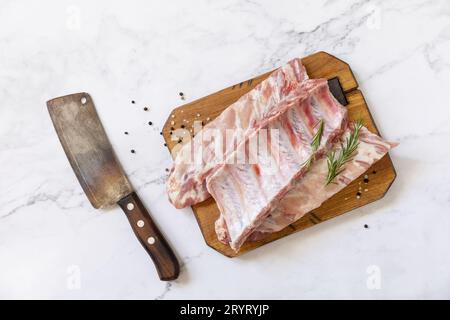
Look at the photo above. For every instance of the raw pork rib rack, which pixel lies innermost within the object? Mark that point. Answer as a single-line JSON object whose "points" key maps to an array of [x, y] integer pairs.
{"points": [[246, 193], [186, 184], [319, 65]]}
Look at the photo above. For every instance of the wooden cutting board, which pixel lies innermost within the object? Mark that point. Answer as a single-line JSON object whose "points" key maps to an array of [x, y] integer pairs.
{"points": [[319, 65]]}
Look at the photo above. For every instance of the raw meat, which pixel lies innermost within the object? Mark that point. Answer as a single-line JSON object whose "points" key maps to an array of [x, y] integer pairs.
{"points": [[186, 184], [310, 191], [246, 193]]}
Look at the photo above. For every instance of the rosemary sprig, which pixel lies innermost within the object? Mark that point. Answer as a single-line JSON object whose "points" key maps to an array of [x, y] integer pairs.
{"points": [[315, 143], [336, 160]]}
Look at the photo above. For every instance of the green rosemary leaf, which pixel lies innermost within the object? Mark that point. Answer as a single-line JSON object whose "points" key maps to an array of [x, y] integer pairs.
{"points": [[315, 143], [335, 161]]}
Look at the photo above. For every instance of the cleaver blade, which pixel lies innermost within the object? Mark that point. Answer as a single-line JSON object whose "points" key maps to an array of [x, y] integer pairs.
{"points": [[88, 149]]}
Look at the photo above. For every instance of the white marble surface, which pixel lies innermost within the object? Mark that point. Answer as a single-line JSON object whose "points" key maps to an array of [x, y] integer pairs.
{"points": [[54, 245]]}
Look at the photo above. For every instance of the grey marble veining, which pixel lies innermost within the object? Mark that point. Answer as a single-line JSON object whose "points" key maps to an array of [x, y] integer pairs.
{"points": [[54, 245]]}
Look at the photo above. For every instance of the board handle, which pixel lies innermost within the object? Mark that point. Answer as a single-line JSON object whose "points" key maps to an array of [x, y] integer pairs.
{"points": [[150, 237]]}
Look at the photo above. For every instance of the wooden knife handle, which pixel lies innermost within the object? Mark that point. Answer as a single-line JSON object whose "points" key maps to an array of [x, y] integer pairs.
{"points": [[150, 237]]}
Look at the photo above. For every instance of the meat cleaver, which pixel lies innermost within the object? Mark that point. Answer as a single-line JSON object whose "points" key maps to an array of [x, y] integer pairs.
{"points": [[101, 176]]}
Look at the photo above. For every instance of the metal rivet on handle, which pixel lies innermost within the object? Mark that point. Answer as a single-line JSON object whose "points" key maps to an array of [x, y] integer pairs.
{"points": [[130, 206], [83, 100], [140, 223], [151, 240]]}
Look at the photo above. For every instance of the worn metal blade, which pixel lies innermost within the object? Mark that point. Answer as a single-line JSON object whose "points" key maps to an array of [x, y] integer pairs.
{"points": [[88, 149]]}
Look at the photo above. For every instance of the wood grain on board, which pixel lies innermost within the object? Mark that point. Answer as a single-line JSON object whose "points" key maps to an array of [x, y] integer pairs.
{"points": [[319, 65]]}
